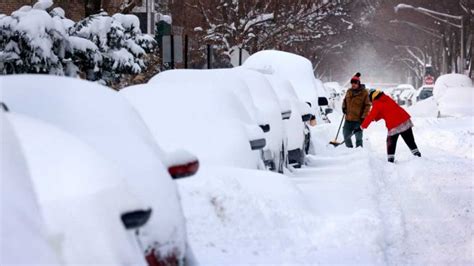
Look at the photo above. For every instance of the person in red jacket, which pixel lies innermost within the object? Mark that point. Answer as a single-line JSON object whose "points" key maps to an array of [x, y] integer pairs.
{"points": [[397, 121]]}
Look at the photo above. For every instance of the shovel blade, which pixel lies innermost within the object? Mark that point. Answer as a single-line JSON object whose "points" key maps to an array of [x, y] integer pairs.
{"points": [[335, 143]]}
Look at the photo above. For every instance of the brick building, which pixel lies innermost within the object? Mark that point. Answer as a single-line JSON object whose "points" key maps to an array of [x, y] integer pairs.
{"points": [[76, 9]]}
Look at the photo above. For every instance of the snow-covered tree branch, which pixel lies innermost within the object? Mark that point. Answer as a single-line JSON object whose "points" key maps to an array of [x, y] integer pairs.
{"points": [[99, 47]]}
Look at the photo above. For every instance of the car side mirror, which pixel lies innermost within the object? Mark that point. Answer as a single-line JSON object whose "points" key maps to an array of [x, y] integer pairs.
{"points": [[306, 117], [258, 144], [135, 219], [182, 164], [322, 101], [4, 107], [265, 128]]}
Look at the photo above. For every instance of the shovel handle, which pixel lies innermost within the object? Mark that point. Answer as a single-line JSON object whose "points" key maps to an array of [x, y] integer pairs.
{"points": [[339, 129]]}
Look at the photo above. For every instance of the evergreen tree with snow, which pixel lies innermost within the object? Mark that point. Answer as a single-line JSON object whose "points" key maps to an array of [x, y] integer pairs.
{"points": [[99, 47]]}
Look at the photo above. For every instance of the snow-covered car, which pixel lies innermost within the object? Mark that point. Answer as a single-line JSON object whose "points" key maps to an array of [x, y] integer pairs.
{"points": [[424, 92], [23, 237], [407, 96], [334, 89], [323, 101], [296, 129], [296, 69], [401, 93], [85, 201], [254, 93], [274, 109], [335, 93], [454, 94], [203, 117], [104, 120]]}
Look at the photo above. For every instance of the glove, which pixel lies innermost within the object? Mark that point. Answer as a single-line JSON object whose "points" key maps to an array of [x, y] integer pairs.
{"points": [[359, 129], [344, 110]]}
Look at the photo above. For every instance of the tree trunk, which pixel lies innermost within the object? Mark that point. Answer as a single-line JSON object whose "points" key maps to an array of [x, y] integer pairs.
{"points": [[92, 7]]}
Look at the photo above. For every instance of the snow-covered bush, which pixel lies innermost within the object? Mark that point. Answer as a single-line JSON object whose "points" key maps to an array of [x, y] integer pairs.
{"points": [[99, 47], [31, 41], [120, 42]]}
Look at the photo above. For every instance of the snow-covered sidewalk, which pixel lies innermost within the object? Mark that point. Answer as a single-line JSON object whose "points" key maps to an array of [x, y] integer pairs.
{"points": [[348, 206], [417, 211]]}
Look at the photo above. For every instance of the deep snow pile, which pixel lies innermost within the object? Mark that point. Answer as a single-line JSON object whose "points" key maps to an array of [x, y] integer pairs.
{"points": [[236, 216], [349, 207], [454, 94], [416, 211]]}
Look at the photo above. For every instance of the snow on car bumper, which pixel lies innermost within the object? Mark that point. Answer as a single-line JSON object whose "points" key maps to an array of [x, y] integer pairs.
{"points": [[296, 157]]}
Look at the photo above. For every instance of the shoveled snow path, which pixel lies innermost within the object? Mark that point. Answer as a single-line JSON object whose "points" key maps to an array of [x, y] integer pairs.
{"points": [[417, 211]]}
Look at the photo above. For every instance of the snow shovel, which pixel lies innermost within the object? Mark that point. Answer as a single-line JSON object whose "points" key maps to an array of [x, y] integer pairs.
{"points": [[335, 142]]}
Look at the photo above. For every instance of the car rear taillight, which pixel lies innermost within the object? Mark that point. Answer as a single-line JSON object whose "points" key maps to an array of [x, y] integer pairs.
{"points": [[184, 170], [154, 259]]}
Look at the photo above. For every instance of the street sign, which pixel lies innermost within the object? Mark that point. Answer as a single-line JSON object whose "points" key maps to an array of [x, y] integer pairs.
{"points": [[429, 80], [238, 56], [166, 49], [178, 48], [174, 55]]}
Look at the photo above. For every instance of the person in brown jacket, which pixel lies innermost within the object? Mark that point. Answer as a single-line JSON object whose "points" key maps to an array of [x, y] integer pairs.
{"points": [[356, 106]]}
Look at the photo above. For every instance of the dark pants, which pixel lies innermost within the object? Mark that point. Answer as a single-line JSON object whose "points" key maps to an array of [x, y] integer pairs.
{"points": [[349, 127], [409, 139]]}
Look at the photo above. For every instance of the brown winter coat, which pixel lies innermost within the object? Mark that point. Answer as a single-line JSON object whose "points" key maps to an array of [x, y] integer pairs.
{"points": [[356, 104]]}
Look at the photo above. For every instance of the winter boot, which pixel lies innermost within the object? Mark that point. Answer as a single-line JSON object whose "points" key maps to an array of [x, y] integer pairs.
{"points": [[416, 152], [391, 158]]}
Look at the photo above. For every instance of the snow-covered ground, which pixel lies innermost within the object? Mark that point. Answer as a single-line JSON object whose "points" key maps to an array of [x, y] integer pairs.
{"points": [[346, 207]]}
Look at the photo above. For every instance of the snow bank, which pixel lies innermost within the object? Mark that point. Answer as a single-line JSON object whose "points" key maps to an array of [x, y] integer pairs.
{"points": [[455, 95], [449, 81], [22, 225], [247, 217], [424, 108]]}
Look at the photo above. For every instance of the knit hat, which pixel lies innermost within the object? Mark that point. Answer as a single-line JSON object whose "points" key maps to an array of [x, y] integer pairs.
{"points": [[374, 94], [356, 78]]}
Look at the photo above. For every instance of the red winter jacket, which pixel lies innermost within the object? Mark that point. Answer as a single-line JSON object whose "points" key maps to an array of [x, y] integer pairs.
{"points": [[387, 109]]}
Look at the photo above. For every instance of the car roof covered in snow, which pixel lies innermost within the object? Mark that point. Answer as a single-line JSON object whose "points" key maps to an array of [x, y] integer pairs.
{"points": [[453, 80], [219, 77], [200, 116], [297, 69], [405, 86]]}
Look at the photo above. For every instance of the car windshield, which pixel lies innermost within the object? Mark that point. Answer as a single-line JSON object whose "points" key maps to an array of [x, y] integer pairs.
{"points": [[426, 93]]}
